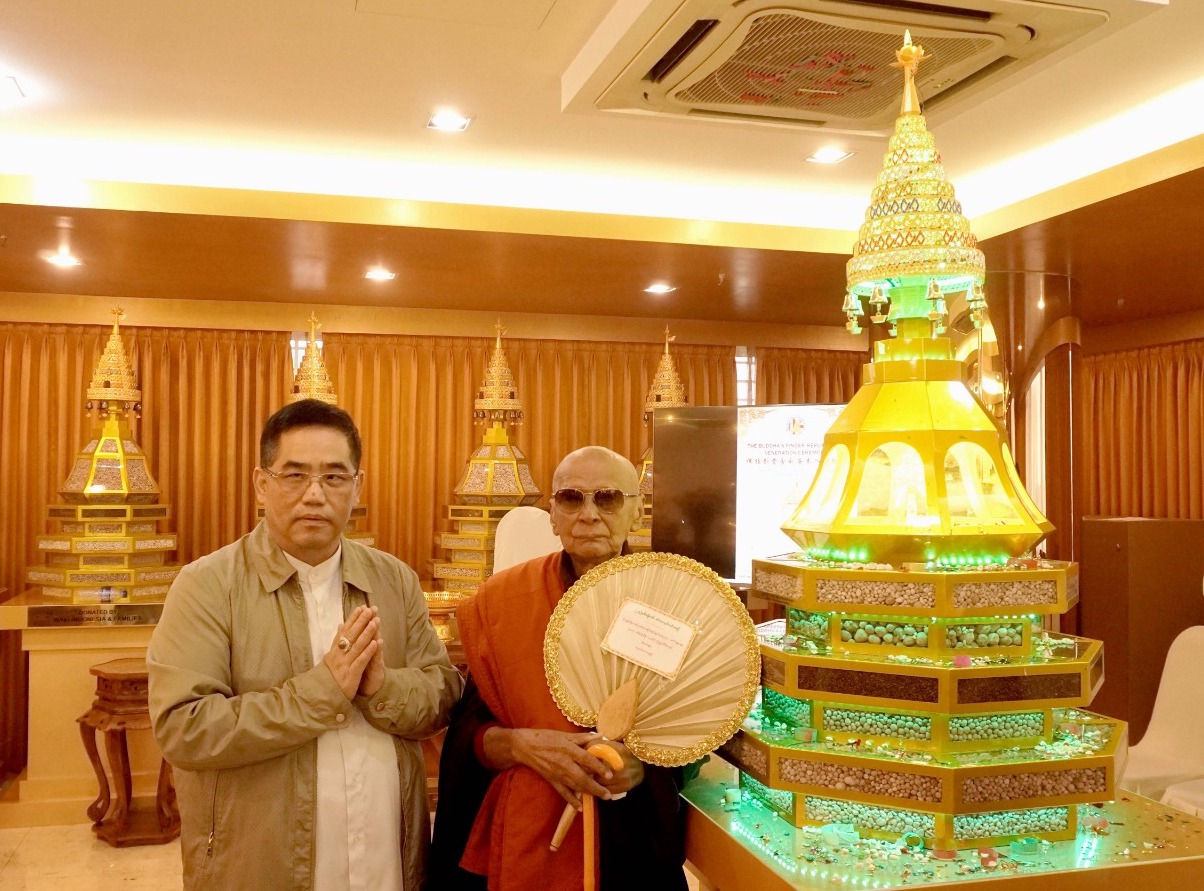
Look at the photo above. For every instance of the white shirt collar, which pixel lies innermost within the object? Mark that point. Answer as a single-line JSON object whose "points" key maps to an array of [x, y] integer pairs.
{"points": [[316, 576]]}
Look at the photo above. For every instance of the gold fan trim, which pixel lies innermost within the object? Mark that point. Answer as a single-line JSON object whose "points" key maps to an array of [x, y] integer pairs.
{"points": [[664, 756]]}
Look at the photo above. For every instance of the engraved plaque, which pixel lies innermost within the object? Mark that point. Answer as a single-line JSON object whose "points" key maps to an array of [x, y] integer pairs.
{"points": [[83, 615]]}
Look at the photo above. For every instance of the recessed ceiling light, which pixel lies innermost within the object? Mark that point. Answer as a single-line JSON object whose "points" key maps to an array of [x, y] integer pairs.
{"points": [[448, 121], [829, 155], [380, 274], [659, 288], [62, 258]]}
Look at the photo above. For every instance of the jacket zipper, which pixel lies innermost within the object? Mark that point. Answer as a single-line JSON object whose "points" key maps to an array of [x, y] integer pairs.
{"points": [[212, 817]]}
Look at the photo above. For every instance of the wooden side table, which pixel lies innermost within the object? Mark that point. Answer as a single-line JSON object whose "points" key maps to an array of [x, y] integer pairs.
{"points": [[121, 705]]}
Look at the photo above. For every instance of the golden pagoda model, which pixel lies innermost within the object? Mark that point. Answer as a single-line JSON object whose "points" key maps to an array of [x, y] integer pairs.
{"points": [[667, 391], [911, 691], [496, 479], [109, 548], [312, 381]]}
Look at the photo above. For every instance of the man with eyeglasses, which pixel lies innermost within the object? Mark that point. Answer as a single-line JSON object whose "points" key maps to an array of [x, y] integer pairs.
{"points": [[511, 759], [292, 676]]}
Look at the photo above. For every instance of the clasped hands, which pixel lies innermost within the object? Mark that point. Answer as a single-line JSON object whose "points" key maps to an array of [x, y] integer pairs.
{"points": [[561, 759], [356, 656]]}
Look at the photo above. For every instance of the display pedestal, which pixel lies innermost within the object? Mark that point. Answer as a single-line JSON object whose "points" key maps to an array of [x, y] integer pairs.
{"points": [[64, 641], [747, 846]]}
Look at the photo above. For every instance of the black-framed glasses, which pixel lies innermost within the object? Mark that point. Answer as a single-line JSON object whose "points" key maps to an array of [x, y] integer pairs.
{"points": [[294, 482], [607, 501]]}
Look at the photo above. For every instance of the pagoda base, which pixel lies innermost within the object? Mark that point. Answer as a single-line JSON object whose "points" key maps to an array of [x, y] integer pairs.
{"points": [[745, 845]]}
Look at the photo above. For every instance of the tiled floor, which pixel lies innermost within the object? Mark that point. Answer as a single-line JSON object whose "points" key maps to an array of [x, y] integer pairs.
{"points": [[70, 858]]}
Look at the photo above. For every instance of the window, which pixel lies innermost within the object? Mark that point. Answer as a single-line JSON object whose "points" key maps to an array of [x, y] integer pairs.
{"points": [[746, 376], [297, 343]]}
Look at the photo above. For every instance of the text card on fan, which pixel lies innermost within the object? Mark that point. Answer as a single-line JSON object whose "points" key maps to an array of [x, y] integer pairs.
{"points": [[649, 637]]}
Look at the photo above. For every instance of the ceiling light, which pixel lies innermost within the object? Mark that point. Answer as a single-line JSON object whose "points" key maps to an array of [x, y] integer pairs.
{"points": [[448, 121], [380, 274], [62, 258], [659, 288], [829, 155]]}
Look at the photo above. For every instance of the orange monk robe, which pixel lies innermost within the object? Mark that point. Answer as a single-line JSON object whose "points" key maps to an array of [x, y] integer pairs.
{"points": [[502, 632]]}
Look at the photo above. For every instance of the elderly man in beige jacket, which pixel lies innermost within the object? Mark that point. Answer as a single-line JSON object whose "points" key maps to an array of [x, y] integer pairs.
{"points": [[292, 675]]}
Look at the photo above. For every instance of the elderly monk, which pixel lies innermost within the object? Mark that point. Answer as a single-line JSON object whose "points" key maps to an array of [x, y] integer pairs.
{"points": [[511, 759]]}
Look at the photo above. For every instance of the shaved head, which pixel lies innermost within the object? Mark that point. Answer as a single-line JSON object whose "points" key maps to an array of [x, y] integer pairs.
{"points": [[626, 477]]}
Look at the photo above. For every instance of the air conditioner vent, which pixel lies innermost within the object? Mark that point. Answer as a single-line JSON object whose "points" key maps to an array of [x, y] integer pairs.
{"points": [[684, 46], [821, 68], [820, 63], [931, 8]]}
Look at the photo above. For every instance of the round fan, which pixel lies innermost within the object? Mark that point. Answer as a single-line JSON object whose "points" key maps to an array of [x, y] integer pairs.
{"points": [[675, 628]]}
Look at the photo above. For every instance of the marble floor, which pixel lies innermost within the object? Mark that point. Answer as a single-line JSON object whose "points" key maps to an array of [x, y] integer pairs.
{"points": [[70, 858]]}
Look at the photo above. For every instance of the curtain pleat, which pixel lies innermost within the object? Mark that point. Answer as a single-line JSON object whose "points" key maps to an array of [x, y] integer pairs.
{"points": [[805, 377], [1142, 451]]}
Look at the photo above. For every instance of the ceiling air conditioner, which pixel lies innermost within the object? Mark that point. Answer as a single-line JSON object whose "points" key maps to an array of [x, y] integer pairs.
{"points": [[819, 63]]}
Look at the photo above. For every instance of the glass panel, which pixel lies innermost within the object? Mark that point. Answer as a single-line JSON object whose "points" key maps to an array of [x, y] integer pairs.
{"points": [[972, 488], [893, 491], [823, 500]]}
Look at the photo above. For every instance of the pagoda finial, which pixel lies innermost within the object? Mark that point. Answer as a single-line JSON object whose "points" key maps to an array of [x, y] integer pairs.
{"points": [[113, 386], [667, 390], [497, 399], [909, 57], [312, 381]]}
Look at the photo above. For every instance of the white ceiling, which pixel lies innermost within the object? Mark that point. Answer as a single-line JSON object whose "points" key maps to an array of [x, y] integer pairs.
{"points": [[331, 97]]}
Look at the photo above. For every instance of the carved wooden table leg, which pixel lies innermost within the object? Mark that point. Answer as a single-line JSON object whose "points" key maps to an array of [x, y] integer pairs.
{"points": [[100, 807], [117, 820], [165, 800]]}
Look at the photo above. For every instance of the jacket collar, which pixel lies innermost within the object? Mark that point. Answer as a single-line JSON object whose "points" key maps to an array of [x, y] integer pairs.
{"points": [[274, 570]]}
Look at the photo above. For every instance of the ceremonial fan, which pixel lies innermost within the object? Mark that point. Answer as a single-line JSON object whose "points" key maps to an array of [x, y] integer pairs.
{"points": [[666, 646]]}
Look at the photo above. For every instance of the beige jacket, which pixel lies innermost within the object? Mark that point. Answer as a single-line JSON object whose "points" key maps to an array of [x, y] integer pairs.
{"points": [[237, 706]]}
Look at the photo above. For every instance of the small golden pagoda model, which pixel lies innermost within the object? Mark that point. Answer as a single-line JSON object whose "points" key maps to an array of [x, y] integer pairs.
{"points": [[496, 479], [312, 381], [667, 391], [912, 692], [109, 548]]}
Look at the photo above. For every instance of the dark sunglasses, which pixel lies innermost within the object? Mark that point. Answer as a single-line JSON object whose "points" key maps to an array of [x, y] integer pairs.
{"points": [[607, 501]]}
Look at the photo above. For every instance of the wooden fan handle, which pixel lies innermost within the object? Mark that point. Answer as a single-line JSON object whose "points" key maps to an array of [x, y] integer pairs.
{"points": [[562, 828]]}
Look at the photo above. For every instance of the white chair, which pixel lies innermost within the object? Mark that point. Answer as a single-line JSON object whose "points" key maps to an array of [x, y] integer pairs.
{"points": [[1187, 797], [1171, 751], [523, 534]]}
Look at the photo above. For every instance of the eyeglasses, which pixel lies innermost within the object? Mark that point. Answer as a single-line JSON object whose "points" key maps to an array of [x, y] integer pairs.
{"points": [[607, 501], [294, 482]]}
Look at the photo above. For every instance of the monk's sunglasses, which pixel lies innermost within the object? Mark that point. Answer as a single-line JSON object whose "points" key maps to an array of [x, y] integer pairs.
{"points": [[607, 501]]}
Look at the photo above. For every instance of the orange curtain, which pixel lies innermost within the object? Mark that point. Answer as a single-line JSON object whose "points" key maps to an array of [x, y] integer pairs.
{"points": [[1142, 451], [412, 399], [803, 377]]}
